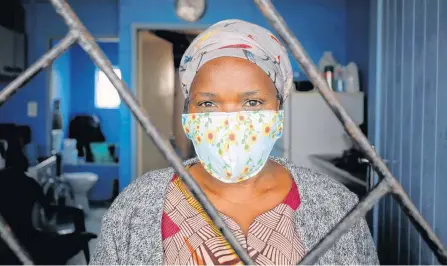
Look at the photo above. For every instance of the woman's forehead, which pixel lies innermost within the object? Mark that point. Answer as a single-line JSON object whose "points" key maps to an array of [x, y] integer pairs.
{"points": [[229, 76]]}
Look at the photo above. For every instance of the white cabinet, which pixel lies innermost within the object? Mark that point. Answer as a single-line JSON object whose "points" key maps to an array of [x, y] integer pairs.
{"points": [[12, 52]]}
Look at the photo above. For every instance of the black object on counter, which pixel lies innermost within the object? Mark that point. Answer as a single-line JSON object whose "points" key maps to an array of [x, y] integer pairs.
{"points": [[303, 85], [350, 161]]}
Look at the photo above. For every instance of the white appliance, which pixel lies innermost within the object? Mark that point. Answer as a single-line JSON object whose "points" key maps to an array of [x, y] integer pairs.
{"points": [[311, 128]]}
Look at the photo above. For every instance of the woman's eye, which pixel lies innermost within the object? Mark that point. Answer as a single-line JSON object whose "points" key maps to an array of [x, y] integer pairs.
{"points": [[252, 103], [206, 104]]}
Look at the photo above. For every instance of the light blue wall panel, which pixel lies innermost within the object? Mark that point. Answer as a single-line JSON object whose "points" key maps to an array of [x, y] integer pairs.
{"points": [[440, 152], [413, 131]]}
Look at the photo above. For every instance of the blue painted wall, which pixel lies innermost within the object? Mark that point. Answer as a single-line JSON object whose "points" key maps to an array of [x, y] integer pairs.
{"points": [[42, 25], [83, 90], [412, 127], [60, 86], [319, 24], [357, 37]]}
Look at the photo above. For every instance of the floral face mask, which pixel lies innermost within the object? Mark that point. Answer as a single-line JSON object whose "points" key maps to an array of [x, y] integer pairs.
{"points": [[233, 147]]}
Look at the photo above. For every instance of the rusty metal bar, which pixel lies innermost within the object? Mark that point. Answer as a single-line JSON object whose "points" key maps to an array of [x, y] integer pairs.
{"points": [[351, 128], [43, 62], [89, 44], [12, 242]]}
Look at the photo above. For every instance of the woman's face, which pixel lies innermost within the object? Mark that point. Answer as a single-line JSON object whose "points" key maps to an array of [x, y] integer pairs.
{"points": [[228, 84]]}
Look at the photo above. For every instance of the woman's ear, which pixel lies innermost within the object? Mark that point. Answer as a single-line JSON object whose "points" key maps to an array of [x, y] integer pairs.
{"points": [[278, 102], [186, 106]]}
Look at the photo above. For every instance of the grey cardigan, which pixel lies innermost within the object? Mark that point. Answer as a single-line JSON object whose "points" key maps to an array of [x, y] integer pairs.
{"points": [[131, 229]]}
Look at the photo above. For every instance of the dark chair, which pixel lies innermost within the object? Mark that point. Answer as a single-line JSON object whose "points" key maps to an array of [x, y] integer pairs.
{"points": [[16, 137], [18, 196], [10, 131]]}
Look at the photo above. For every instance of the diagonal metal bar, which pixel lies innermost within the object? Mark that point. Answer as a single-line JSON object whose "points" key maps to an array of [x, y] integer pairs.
{"points": [[89, 44], [12, 242], [43, 62], [351, 128]]}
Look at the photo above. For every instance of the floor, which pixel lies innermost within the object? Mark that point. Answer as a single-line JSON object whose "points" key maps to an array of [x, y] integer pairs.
{"points": [[93, 225]]}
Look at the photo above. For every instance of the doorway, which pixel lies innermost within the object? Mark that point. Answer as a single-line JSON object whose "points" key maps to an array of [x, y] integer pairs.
{"points": [[159, 92], [88, 101]]}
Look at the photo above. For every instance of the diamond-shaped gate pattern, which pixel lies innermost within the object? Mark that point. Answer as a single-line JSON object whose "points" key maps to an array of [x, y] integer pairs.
{"points": [[387, 184]]}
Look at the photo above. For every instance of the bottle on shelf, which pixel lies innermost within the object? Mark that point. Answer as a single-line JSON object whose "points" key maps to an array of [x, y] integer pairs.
{"points": [[329, 76]]}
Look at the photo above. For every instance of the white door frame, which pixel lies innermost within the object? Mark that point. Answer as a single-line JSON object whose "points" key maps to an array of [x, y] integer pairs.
{"points": [[134, 75]]}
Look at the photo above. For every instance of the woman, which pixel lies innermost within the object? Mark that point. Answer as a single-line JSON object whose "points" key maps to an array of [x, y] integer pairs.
{"points": [[235, 77]]}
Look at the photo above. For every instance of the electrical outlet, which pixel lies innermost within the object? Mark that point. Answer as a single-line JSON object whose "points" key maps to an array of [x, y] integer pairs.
{"points": [[32, 109]]}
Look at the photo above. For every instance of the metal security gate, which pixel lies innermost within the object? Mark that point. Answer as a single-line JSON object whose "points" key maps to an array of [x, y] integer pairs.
{"points": [[387, 184]]}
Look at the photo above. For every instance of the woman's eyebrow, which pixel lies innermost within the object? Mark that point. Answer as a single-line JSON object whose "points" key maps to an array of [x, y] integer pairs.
{"points": [[205, 94], [248, 93]]}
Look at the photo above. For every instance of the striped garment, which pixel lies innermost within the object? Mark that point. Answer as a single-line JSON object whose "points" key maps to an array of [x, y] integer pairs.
{"points": [[190, 237], [131, 231]]}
